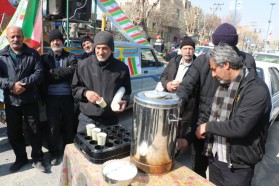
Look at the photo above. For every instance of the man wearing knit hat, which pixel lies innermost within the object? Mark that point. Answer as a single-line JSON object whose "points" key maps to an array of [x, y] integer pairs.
{"points": [[59, 69], [96, 81], [199, 80], [173, 74], [87, 45]]}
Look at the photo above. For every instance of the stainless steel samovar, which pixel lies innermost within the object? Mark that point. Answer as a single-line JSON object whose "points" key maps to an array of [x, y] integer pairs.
{"points": [[155, 124]]}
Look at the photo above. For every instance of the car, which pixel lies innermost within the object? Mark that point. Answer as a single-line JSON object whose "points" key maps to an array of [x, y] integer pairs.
{"points": [[267, 57], [144, 65], [172, 53], [269, 73], [273, 51], [201, 50]]}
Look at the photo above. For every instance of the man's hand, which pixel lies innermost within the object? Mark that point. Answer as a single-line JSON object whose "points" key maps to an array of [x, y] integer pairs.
{"points": [[92, 96], [172, 86], [200, 132], [18, 88], [122, 104], [181, 143]]}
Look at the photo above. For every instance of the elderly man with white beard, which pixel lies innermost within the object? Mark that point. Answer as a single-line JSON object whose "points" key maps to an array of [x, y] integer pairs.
{"points": [[59, 67]]}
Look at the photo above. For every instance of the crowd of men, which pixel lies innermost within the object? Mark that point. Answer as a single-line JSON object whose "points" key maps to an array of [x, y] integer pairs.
{"points": [[64, 86], [229, 106], [224, 102]]}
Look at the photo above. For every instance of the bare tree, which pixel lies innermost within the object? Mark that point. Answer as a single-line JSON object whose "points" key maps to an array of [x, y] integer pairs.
{"points": [[139, 12], [206, 26], [230, 18], [190, 25]]}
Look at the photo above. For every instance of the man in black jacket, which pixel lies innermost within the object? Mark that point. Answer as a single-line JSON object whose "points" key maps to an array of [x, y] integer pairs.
{"points": [[21, 71], [100, 76], [199, 77], [173, 74], [238, 121], [59, 70]]}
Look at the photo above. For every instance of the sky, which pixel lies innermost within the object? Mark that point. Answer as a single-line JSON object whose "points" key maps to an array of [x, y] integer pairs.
{"points": [[254, 13]]}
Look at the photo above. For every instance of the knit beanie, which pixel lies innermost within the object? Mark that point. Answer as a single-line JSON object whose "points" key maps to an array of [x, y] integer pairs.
{"points": [[86, 38], [105, 38], [55, 34], [187, 41], [225, 33]]}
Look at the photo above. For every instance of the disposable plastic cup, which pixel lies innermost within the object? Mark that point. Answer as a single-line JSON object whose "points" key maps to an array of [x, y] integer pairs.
{"points": [[175, 82], [101, 102], [101, 138], [89, 127], [95, 131]]}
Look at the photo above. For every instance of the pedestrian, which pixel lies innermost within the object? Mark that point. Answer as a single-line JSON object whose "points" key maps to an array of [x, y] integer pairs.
{"points": [[238, 122], [59, 66], [100, 76], [173, 74], [21, 72], [199, 81], [87, 45]]}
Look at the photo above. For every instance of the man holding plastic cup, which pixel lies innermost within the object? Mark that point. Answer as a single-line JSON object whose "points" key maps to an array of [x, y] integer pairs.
{"points": [[96, 81], [173, 74]]}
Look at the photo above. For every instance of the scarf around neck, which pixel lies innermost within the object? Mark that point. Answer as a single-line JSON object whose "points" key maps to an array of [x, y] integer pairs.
{"points": [[224, 98]]}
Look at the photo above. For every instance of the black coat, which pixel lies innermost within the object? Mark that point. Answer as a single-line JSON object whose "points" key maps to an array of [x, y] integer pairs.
{"points": [[246, 130], [200, 79], [105, 81], [30, 71], [58, 75], [168, 75]]}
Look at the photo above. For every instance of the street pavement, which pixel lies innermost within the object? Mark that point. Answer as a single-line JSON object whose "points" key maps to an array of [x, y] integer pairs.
{"points": [[267, 170]]}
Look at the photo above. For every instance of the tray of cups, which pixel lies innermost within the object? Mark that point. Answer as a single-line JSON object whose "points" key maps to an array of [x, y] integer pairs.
{"points": [[102, 144]]}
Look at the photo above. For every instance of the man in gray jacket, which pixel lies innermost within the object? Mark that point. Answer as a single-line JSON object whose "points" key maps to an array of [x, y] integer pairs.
{"points": [[21, 71]]}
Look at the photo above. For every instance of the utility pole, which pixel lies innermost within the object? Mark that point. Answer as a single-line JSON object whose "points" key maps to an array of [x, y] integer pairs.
{"points": [[216, 6], [235, 13], [269, 21]]}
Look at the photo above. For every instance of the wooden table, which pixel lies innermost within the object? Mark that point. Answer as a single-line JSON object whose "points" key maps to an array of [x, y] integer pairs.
{"points": [[78, 170]]}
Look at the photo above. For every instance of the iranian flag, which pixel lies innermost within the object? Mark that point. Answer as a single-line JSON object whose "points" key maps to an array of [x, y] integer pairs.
{"points": [[28, 16]]}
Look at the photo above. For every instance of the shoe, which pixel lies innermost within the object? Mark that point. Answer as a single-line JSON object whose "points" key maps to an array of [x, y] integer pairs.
{"points": [[54, 160], [39, 165], [17, 165]]}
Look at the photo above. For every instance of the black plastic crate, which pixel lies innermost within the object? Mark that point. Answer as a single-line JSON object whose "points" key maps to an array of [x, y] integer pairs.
{"points": [[118, 144]]}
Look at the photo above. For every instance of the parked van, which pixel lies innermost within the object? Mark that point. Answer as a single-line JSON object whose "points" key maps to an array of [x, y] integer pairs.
{"points": [[145, 68], [144, 65]]}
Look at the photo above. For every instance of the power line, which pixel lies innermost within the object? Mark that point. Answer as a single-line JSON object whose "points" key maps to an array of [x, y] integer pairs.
{"points": [[216, 6]]}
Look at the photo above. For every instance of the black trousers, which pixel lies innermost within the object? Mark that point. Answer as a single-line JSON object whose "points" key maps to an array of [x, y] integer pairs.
{"points": [[199, 161], [220, 174], [60, 112], [30, 113]]}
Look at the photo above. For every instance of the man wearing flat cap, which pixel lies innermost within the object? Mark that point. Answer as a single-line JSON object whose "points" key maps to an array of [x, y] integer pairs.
{"points": [[87, 45], [59, 69], [200, 83], [173, 74], [99, 77]]}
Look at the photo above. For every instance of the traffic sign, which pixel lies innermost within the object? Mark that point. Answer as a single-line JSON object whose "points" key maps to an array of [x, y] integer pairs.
{"points": [[248, 40]]}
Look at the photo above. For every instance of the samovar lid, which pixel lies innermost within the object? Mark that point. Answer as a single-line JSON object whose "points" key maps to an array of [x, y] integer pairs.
{"points": [[157, 99]]}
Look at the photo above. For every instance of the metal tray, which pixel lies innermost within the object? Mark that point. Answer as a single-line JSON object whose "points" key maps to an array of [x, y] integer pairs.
{"points": [[118, 144]]}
